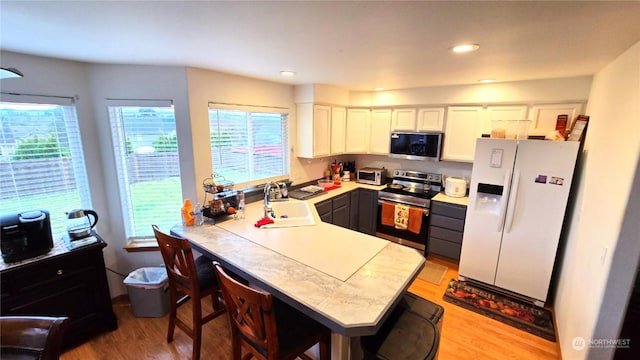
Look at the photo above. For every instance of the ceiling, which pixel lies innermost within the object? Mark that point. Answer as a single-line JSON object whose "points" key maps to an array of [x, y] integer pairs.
{"points": [[358, 45]]}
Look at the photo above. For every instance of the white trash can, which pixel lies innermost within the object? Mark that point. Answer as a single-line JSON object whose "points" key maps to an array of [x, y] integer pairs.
{"points": [[148, 289]]}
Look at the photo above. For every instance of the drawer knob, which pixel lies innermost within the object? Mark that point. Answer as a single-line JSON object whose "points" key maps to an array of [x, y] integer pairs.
{"points": [[59, 272]]}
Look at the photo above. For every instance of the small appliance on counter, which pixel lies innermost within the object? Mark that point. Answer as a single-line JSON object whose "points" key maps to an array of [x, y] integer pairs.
{"points": [[372, 176], [80, 222], [25, 235], [455, 186]]}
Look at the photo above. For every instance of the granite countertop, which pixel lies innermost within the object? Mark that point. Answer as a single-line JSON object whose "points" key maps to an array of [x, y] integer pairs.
{"points": [[452, 200], [345, 279], [61, 246]]}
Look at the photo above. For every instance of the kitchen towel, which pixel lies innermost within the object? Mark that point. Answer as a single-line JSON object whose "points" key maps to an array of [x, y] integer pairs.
{"points": [[387, 214], [415, 220], [401, 216]]}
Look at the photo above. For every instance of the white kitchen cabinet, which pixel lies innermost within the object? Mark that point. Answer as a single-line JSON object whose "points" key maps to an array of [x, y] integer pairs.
{"points": [[358, 131], [314, 130], [430, 119], [380, 131], [463, 127], [427, 119], [502, 112], [543, 117], [338, 130], [404, 119]]}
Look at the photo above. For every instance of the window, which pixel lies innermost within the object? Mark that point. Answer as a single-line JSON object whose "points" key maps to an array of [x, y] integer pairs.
{"points": [[41, 161], [146, 153], [249, 146]]}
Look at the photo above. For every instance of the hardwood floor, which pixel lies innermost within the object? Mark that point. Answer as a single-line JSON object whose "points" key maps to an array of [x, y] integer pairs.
{"points": [[465, 335]]}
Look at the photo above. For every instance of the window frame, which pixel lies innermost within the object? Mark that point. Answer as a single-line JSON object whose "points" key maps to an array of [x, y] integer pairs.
{"points": [[284, 112], [73, 136], [119, 152]]}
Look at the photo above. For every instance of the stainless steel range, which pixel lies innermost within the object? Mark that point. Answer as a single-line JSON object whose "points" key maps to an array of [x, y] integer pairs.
{"points": [[414, 189]]}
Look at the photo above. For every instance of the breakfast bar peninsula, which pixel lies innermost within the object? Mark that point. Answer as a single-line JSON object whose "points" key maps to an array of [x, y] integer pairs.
{"points": [[344, 279]]}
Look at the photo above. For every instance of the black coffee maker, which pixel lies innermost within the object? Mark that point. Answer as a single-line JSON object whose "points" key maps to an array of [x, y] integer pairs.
{"points": [[25, 234]]}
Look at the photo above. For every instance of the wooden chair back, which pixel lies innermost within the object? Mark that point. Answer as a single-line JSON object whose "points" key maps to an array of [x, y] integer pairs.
{"points": [[178, 259], [251, 314], [185, 284]]}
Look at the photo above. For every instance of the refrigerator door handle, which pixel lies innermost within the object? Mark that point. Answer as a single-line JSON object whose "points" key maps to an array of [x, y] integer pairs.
{"points": [[512, 201], [505, 196]]}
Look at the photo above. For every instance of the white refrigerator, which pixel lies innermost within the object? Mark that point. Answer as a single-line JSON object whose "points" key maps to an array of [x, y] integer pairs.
{"points": [[517, 201]]}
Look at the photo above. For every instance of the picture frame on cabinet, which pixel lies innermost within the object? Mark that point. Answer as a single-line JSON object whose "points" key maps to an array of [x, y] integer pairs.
{"points": [[578, 128]]}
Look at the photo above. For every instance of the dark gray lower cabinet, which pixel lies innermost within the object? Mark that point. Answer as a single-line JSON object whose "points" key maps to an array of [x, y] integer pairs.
{"points": [[335, 210], [341, 209], [445, 229], [367, 211], [325, 210], [355, 210]]}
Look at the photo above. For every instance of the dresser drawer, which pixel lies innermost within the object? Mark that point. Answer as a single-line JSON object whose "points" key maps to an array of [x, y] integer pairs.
{"points": [[447, 222], [445, 234], [444, 248], [450, 210]]}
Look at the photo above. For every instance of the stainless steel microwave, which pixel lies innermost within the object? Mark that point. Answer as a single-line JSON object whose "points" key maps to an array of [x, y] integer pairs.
{"points": [[416, 145]]}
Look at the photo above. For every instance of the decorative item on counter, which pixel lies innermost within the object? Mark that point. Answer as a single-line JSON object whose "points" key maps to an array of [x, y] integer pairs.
{"points": [[188, 219], [346, 175], [561, 124], [336, 172], [263, 221], [578, 128]]}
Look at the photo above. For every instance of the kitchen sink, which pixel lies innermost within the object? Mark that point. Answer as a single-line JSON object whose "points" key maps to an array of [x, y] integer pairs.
{"points": [[291, 213]]}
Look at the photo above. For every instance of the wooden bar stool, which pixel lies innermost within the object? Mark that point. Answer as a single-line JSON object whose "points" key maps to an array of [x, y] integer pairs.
{"points": [[268, 328], [188, 279]]}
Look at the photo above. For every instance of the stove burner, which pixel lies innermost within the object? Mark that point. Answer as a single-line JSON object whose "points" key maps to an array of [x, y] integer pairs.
{"points": [[412, 188]]}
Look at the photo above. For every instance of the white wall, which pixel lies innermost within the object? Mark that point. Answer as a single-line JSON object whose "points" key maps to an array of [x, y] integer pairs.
{"points": [[588, 271], [206, 86], [133, 82], [520, 92]]}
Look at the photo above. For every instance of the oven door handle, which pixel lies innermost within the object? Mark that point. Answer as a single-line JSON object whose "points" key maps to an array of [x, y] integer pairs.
{"points": [[424, 211]]}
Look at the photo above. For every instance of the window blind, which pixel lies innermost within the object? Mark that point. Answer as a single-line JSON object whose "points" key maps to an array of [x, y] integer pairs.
{"points": [[249, 146], [148, 166], [42, 164]]}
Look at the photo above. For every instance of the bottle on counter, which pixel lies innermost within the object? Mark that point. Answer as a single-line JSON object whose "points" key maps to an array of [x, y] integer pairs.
{"points": [[197, 213], [188, 219], [239, 215]]}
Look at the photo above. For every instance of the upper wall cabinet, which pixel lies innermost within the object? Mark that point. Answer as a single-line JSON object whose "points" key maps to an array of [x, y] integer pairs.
{"points": [[464, 125], [543, 117], [404, 119], [430, 119], [427, 119], [338, 130], [380, 131], [314, 130], [517, 112], [358, 131]]}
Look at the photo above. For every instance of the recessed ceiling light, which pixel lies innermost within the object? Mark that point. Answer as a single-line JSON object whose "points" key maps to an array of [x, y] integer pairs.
{"points": [[465, 48], [486, 81], [287, 73]]}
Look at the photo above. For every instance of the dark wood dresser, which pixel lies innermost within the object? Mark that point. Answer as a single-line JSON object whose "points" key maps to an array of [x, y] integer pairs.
{"points": [[68, 281]]}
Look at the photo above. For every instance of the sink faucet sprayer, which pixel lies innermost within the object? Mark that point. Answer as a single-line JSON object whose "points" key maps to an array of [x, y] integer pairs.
{"points": [[268, 188]]}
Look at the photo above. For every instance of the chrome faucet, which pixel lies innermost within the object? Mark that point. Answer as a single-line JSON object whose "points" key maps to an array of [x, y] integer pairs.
{"points": [[267, 193]]}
